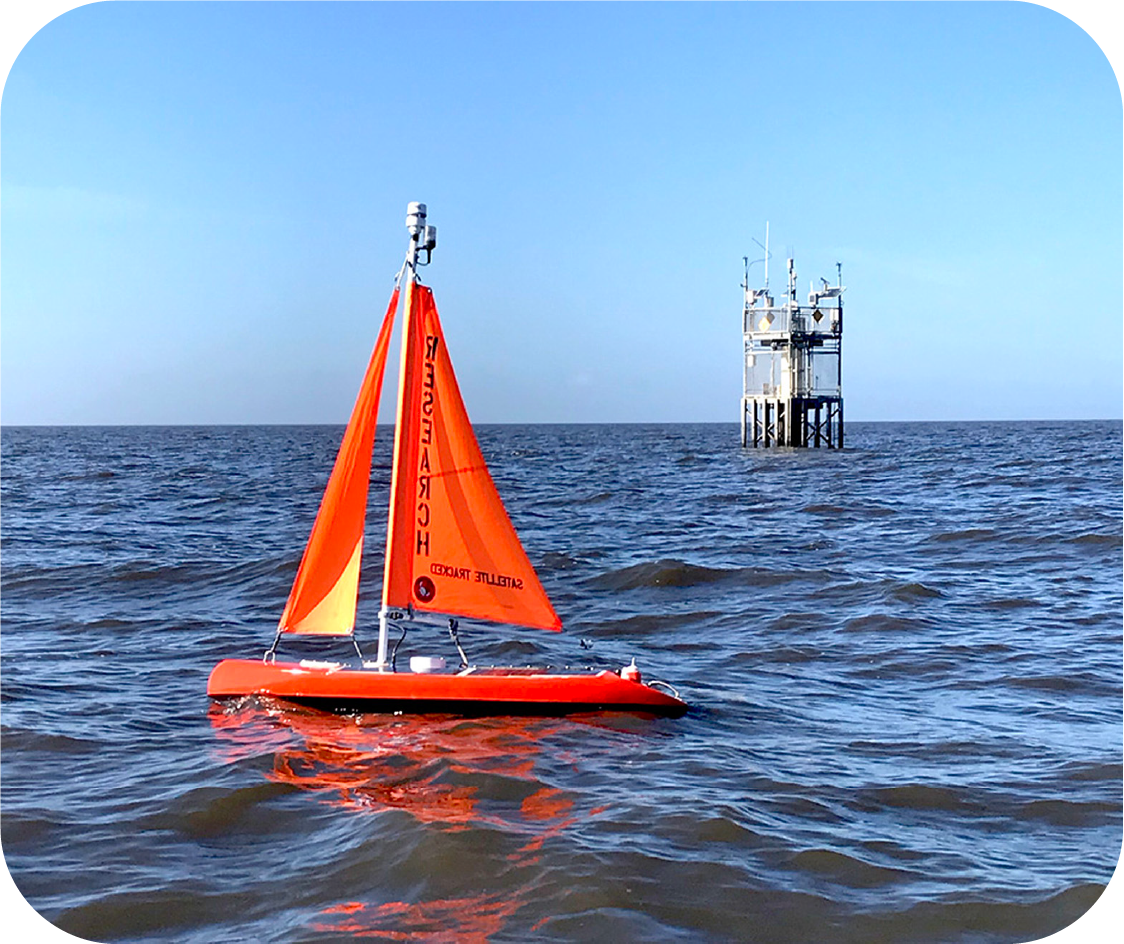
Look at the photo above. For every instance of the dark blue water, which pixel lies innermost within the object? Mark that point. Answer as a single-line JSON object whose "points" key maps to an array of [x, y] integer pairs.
{"points": [[904, 662]]}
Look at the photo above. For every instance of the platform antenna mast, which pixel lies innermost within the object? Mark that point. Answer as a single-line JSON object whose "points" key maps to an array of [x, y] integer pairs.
{"points": [[766, 247]]}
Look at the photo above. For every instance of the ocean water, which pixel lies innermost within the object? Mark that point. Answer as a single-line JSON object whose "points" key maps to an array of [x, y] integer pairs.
{"points": [[903, 661]]}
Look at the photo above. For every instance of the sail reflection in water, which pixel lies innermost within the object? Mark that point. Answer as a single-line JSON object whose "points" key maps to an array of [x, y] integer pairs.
{"points": [[446, 772], [463, 920]]}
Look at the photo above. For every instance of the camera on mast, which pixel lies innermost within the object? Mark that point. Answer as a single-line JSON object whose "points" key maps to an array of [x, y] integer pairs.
{"points": [[415, 218]]}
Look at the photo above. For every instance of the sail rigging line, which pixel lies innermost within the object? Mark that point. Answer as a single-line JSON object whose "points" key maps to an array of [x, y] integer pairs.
{"points": [[270, 654], [454, 625], [394, 654]]}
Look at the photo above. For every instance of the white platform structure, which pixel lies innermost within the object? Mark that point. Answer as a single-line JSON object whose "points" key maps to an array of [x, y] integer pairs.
{"points": [[793, 381]]}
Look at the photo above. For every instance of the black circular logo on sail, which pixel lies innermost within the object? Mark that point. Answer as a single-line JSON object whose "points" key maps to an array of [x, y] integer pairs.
{"points": [[424, 589]]}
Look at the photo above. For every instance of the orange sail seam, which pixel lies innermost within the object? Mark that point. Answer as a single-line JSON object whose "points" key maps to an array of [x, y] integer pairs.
{"points": [[463, 470]]}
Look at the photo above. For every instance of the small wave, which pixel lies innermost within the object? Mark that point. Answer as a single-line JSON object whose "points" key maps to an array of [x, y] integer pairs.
{"points": [[786, 655], [677, 573], [921, 796], [514, 650], [1053, 683], [866, 511], [847, 870], [1110, 540], [594, 499], [211, 812], [909, 667], [34, 579], [555, 560], [1014, 481], [823, 510], [99, 624], [648, 623], [661, 573], [220, 498], [727, 498], [948, 920], [25, 829], [721, 829], [971, 534], [146, 570], [88, 476], [928, 750], [805, 808], [1010, 603], [1069, 812], [798, 621], [892, 849], [883, 623], [215, 572], [1087, 772], [1079, 683], [21, 739], [141, 914], [912, 592]]}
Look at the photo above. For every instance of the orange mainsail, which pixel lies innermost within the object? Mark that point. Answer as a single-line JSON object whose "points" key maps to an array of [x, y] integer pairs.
{"points": [[450, 545], [324, 593]]}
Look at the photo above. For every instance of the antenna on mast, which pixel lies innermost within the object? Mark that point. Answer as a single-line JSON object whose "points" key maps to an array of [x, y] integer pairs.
{"points": [[422, 236], [765, 290], [766, 255]]}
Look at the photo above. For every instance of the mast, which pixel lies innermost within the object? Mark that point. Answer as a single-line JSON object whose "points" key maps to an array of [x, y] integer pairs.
{"points": [[421, 237]]}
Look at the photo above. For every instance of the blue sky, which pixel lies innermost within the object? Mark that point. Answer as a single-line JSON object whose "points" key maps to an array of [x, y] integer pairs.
{"points": [[202, 205]]}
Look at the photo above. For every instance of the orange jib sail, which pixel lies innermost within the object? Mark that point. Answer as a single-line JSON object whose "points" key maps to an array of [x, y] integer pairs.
{"points": [[451, 547], [323, 598]]}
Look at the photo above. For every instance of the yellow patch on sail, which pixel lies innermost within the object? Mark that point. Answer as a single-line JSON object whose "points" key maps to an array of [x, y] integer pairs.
{"points": [[334, 615]]}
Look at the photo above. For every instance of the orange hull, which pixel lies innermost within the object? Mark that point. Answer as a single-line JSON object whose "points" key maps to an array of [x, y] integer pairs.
{"points": [[480, 691]]}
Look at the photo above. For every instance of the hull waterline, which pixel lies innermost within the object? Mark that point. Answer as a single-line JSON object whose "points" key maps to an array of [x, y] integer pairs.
{"points": [[475, 691]]}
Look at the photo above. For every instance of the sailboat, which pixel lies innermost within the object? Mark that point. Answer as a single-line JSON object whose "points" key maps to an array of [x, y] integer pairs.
{"points": [[451, 554]]}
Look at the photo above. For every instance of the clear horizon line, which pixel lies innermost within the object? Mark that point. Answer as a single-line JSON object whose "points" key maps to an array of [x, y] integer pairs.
{"points": [[733, 423]]}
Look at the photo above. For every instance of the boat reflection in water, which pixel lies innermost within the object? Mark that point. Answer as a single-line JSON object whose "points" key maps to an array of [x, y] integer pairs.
{"points": [[450, 772], [468, 920]]}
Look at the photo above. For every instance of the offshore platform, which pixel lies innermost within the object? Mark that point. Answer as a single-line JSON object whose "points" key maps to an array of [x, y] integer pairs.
{"points": [[792, 392]]}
